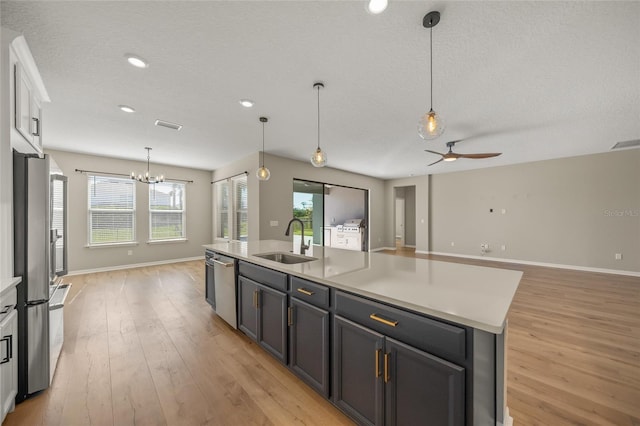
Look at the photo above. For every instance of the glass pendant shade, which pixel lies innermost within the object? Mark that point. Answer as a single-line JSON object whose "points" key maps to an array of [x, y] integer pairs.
{"points": [[319, 158], [263, 173], [431, 125]]}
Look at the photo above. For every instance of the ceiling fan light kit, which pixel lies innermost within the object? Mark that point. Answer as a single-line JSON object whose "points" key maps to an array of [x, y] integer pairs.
{"points": [[263, 173], [319, 157], [431, 124]]}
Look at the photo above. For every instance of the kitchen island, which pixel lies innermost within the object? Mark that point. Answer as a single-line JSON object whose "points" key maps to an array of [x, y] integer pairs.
{"points": [[388, 339]]}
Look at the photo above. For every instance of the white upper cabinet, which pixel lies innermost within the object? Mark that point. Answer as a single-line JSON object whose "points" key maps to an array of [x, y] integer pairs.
{"points": [[27, 93]]}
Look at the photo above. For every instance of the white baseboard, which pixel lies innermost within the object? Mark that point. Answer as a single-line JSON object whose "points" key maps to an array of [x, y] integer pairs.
{"points": [[545, 264], [383, 248], [132, 265], [422, 252]]}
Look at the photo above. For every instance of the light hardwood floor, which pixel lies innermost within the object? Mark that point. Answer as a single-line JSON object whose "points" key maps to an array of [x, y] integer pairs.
{"points": [[573, 353], [143, 347]]}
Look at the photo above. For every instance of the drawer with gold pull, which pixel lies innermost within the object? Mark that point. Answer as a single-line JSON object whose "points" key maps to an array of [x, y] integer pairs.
{"points": [[439, 338], [310, 292]]}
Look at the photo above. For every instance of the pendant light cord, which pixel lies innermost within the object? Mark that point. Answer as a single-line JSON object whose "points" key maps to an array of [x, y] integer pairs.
{"points": [[263, 144], [318, 117], [431, 62]]}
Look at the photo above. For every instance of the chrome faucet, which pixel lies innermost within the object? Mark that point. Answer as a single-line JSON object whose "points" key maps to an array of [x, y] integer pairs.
{"points": [[303, 246]]}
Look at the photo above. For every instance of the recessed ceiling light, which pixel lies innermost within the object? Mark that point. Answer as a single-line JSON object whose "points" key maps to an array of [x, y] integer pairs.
{"points": [[377, 6], [247, 103], [137, 61], [126, 108]]}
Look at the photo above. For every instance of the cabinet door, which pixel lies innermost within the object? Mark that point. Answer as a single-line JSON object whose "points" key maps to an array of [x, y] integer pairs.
{"points": [[8, 362], [272, 322], [421, 388], [23, 93], [247, 307], [309, 344], [357, 371]]}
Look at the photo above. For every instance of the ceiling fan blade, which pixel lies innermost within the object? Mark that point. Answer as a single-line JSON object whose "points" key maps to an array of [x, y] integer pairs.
{"points": [[435, 162], [433, 152], [483, 155]]}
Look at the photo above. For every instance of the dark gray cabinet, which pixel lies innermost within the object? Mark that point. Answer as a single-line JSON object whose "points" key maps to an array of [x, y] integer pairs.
{"points": [[309, 344], [379, 380], [272, 321], [357, 361], [248, 307], [421, 388], [262, 315], [209, 289]]}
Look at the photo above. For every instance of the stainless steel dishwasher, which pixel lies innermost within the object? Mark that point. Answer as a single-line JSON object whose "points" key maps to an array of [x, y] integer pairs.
{"points": [[224, 287]]}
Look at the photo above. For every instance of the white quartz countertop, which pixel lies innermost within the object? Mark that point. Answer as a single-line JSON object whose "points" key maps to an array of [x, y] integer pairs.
{"points": [[475, 296]]}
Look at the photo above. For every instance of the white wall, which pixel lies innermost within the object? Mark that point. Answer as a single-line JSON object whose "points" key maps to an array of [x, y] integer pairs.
{"points": [[198, 211], [573, 211]]}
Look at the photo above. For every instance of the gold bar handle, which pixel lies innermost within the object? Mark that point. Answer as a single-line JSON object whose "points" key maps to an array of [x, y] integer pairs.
{"points": [[378, 362], [289, 316], [375, 317], [305, 291], [255, 298], [386, 367]]}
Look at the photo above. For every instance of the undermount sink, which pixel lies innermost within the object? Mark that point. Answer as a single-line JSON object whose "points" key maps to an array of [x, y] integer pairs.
{"points": [[287, 258]]}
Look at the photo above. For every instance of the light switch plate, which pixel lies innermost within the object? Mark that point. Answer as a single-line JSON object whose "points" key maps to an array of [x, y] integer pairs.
{"points": [[274, 223]]}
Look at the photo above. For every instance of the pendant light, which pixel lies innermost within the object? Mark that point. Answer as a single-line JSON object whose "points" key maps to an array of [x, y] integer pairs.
{"points": [[263, 173], [431, 125], [319, 157], [147, 178]]}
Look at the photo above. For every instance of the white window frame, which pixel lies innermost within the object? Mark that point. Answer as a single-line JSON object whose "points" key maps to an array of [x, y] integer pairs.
{"points": [[90, 210], [152, 240]]}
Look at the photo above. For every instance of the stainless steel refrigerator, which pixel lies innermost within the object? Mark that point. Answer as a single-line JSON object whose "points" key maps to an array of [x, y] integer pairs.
{"points": [[35, 248]]}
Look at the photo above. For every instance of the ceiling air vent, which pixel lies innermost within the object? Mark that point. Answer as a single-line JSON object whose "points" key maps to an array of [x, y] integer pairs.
{"points": [[168, 125], [627, 144]]}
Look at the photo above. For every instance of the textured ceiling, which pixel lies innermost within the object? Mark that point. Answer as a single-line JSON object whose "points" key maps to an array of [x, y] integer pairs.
{"points": [[534, 80]]}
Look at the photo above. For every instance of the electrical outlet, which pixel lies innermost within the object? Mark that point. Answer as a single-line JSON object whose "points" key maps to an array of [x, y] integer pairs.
{"points": [[504, 247], [452, 244], [484, 246], [504, 211], [273, 223], [618, 256], [129, 252]]}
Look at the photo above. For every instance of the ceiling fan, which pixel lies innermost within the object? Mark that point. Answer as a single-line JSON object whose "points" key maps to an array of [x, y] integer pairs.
{"points": [[452, 156]]}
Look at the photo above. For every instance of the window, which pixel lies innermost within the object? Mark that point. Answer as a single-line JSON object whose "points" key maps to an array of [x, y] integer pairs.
{"points": [[167, 211], [232, 213], [112, 208], [241, 204], [222, 209]]}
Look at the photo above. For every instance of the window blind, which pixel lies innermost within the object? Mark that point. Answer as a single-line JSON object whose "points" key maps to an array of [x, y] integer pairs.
{"points": [[241, 208], [111, 210], [167, 216], [222, 209]]}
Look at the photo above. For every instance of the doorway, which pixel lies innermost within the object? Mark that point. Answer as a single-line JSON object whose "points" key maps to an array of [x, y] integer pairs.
{"points": [[335, 215], [405, 216]]}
